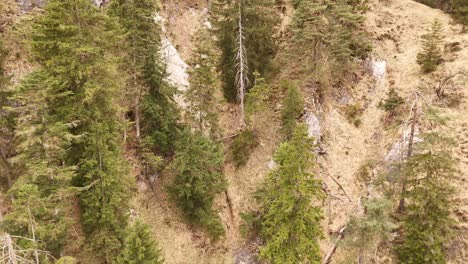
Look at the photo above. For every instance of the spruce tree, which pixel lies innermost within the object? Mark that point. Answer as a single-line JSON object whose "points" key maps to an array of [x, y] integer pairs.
{"points": [[203, 83], [293, 106], [431, 54], [427, 224], [290, 222], [72, 41], [40, 205], [328, 35], [461, 12], [6, 119], [366, 232], [140, 247], [260, 19], [146, 81], [199, 178]]}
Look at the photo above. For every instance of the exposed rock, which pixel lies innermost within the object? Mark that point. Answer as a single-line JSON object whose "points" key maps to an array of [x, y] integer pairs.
{"points": [[379, 69], [176, 68], [272, 164], [400, 148], [313, 126], [28, 5], [244, 257]]}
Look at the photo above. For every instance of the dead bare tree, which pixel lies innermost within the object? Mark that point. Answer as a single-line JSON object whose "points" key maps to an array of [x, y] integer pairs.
{"points": [[442, 84], [11, 253], [242, 67]]}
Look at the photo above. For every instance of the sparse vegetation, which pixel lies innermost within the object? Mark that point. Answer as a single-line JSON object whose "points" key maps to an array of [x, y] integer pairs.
{"points": [[353, 114], [242, 147]]}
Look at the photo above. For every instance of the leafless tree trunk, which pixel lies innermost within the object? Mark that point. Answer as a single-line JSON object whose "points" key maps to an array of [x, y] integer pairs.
{"points": [[33, 231], [242, 68], [401, 206], [332, 250], [137, 91]]}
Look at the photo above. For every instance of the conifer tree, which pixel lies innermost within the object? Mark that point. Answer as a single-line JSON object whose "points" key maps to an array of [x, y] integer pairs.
{"points": [[293, 106], [427, 225], [431, 54], [290, 223], [259, 21], [6, 119], [199, 178], [365, 232], [72, 43], [146, 73], [39, 209], [329, 33], [461, 12], [140, 247], [203, 83]]}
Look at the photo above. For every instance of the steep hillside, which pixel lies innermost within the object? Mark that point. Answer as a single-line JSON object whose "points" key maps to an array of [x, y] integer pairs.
{"points": [[344, 146], [396, 27]]}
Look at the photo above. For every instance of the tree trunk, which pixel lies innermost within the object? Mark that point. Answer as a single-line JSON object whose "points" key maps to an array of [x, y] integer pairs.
{"points": [[242, 68], [401, 206]]}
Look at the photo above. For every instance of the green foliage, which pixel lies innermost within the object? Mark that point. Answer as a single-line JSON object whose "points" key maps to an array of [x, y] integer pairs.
{"points": [[364, 173], [67, 260], [140, 247], [353, 113], [290, 224], [146, 72], [256, 100], [461, 12], [359, 5], [293, 107], [6, 118], [242, 146], [392, 102], [329, 35], [427, 225], [366, 232], [198, 165], [203, 83], [40, 203], [260, 19], [104, 205], [73, 49], [431, 54]]}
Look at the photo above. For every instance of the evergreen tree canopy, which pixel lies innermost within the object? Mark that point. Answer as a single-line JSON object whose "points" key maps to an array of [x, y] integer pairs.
{"points": [[203, 83], [328, 30], [427, 222], [289, 204], [259, 21], [146, 73], [39, 211], [140, 247], [461, 12], [199, 178], [293, 106], [431, 54], [72, 41]]}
